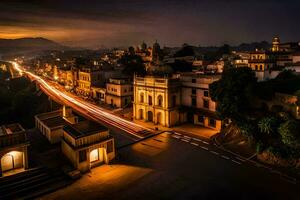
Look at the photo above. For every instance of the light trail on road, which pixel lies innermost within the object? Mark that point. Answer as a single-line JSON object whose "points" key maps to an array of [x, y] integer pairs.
{"points": [[83, 107]]}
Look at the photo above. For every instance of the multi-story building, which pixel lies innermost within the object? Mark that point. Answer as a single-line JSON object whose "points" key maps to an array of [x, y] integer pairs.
{"points": [[157, 100], [262, 62], [195, 100], [13, 149], [119, 92], [87, 144], [88, 77]]}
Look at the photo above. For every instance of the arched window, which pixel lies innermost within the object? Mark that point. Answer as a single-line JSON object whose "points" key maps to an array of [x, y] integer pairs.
{"points": [[159, 100], [142, 98], [150, 100]]}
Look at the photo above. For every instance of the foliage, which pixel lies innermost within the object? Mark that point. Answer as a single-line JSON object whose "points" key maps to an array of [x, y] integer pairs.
{"points": [[233, 93], [19, 103], [132, 64], [290, 133], [285, 82], [186, 50], [259, 146], [181, 66], [267, 125]]}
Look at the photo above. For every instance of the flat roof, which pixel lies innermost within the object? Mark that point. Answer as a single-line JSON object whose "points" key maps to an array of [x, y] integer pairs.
{"points": [[54, 122], [11, 129], [84, 128]]}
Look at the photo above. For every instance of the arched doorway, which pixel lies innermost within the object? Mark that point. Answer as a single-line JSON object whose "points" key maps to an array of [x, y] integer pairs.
{"points": [[141, 114], [12, 160], [150, 116], [159, 118]]}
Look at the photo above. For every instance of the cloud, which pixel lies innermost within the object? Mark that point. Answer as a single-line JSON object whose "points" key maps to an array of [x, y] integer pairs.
{"points": [[125, 22]]}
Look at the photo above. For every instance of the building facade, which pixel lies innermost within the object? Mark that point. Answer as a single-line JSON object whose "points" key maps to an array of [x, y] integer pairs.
{"points": [[196, 101], [13, 149], [157, 100], [119, 92], [51, 124], [87, 144], [172, 101]]}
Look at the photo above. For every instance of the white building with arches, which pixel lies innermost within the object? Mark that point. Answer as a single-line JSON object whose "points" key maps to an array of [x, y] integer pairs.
{"points": [[157, 100]]}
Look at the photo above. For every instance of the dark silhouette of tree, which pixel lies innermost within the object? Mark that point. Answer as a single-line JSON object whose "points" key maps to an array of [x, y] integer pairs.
{"points": [[233, 93]]}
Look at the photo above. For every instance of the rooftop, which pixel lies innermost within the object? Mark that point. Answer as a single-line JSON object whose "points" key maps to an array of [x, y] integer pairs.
{"points": [[54, 122], [11, 129], [52, 119], [84, 128]]}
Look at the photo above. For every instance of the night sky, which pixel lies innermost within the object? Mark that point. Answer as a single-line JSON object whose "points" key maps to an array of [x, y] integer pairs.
{"points": [[91, 23]]}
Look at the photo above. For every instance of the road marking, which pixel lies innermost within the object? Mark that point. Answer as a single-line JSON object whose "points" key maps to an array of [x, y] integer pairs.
{"points": [[187, 137], [194, 144], [214, 152], [225, 157], [197, 139], [205, 142], [204, 147], [174, 136], [240, 159], [184, 140], [236, 162], [177, 133]]}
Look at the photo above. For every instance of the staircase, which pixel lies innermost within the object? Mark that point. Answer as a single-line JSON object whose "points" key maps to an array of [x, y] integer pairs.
{"points": [[32, 183]]}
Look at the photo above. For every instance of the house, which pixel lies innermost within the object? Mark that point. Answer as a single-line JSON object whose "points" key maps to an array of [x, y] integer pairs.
{"points": [[196, 102], [170, 101], [50, 124], [87, 144], [13, 149], [119, 92]]}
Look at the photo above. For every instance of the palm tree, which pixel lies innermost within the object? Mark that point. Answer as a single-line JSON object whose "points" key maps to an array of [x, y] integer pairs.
{"points": [[266, 125]]}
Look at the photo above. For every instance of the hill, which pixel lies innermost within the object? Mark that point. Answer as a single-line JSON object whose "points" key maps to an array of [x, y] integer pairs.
{"points": [[28, 45]]}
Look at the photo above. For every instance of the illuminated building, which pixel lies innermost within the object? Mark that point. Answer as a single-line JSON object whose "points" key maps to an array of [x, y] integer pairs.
{"points": [[51, 124], [172, 101], [87, 144], [119, 92], [157, 100], [196, 102], [13, 149], [87, 78], [99, 94]]}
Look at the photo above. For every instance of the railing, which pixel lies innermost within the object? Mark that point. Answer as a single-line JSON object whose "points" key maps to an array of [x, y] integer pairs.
{"points": [[12, 139]]}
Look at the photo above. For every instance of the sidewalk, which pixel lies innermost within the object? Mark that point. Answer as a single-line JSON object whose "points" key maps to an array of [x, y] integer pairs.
{"points": [[190, 129]]}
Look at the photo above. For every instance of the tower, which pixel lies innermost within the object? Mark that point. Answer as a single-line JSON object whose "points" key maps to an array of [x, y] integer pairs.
{"points": [[155, 52], [275, 44]]}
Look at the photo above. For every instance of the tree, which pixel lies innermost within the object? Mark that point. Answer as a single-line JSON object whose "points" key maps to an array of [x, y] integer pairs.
{"points": [[290, 133], [181, 66], [132, 64], [233, 93], [186, 50], [267, 125]]}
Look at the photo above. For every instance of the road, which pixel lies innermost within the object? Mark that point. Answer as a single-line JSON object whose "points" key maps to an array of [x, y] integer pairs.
{"points": [[170, 166], [89, 110]]}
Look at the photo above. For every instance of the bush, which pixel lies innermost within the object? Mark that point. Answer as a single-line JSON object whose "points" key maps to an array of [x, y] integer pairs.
{"points": [[259, 147], [290, 133]]}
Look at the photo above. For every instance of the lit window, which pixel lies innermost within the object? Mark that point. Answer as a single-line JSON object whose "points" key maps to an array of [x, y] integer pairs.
{"points": [[94, 155]]}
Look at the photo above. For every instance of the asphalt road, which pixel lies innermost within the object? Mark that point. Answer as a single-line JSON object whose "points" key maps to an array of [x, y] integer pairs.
{"points": [[175, 167]]}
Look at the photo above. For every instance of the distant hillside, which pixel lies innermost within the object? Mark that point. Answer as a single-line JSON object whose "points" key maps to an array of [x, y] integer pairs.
{"points": [[27, 45]]}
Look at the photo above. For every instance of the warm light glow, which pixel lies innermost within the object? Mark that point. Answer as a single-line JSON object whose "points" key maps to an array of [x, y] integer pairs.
{"points": [[94, 111], [94, 155]]}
